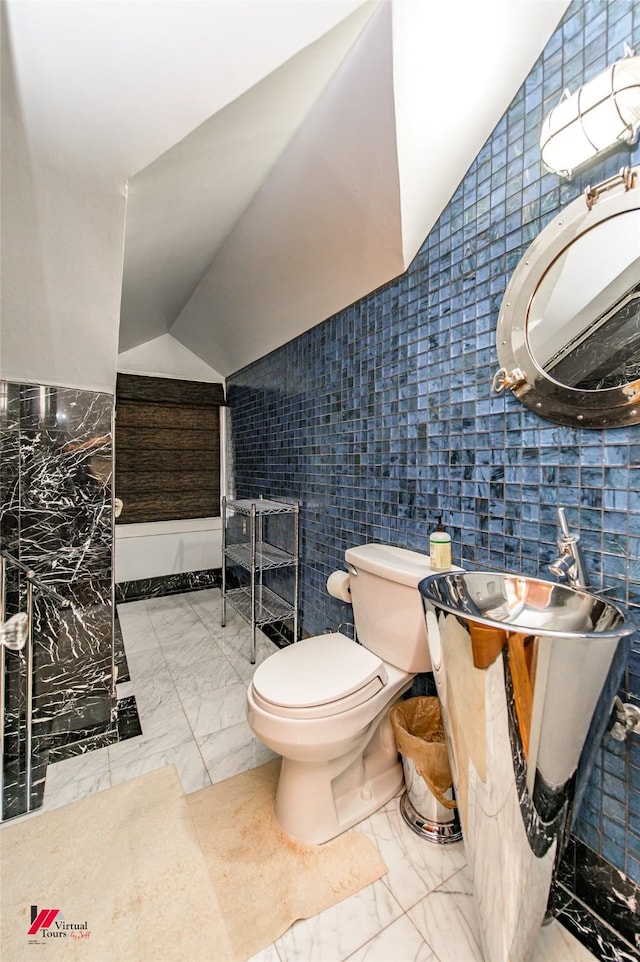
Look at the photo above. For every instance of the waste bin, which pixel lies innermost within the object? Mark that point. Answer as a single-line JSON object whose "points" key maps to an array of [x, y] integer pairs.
{"points": [[427, 805]]}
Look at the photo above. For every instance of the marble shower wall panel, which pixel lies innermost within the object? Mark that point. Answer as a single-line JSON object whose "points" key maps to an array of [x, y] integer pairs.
{"points": [[56, 518]]}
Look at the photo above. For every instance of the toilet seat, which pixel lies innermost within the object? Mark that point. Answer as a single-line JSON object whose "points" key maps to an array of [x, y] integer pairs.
{"points": [[318, 677]]}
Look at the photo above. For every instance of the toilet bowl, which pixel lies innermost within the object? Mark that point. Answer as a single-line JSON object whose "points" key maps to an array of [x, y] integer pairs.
{"points": [[323, 703]]}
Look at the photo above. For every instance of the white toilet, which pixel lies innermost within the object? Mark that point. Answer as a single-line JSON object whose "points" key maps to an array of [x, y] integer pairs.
{"points": [[323, 703]]}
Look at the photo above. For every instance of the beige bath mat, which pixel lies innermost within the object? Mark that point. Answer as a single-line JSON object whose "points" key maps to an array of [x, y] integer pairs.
{"points": [[262, 879], [123, 874], [143, 873]]}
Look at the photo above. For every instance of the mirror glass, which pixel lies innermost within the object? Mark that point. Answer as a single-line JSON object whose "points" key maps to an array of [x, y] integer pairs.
{"points": [[583, 325], [568, 336]]}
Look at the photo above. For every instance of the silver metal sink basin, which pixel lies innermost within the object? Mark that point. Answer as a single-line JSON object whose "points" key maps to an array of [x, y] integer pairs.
{"points": [[519, 664], [519, 603]]}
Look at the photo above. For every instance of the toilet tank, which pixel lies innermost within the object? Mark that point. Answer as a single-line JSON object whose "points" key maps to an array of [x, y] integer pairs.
{"points": [[387, 605]]}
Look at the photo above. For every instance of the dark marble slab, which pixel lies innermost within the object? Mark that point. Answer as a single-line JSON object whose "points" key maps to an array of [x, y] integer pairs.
{"points": [[603, 890], [167, 585], [14, 787], [56, 520], [279, 632], [73, 746], [119, 655], [125, 724], [128, 721], [601, 940]]}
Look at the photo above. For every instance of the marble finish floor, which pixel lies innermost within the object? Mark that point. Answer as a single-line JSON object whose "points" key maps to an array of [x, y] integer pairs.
{"points": [[189, 678]]}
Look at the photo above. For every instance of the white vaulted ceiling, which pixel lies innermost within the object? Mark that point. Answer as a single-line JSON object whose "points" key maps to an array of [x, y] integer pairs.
{"points": [[282, 158]]}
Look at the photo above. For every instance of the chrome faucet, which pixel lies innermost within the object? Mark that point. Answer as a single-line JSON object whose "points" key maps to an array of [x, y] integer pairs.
{"points": [[569, 566]]}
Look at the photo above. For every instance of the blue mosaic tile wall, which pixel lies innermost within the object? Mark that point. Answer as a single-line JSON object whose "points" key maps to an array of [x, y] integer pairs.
{"points": [[382, 418]]}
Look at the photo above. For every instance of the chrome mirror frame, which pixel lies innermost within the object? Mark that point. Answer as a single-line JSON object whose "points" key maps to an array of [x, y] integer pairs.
{"points": [[610, 407]]}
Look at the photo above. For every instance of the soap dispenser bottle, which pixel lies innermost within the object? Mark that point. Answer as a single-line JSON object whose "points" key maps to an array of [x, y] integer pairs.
{"points": [[440, 548]]}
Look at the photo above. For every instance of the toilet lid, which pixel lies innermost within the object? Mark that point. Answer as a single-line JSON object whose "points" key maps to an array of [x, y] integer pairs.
{"points": [[327, 670]]}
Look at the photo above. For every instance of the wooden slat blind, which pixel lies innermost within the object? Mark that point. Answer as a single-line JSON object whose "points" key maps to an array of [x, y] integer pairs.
{"points": [[167, 448]]}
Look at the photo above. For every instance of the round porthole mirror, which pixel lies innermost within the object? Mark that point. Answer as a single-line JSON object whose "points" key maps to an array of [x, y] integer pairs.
{"points": [[569, 328]]}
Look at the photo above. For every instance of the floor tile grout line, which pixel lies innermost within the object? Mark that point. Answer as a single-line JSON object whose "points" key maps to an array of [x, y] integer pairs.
{"points": [[194, 739], [373, 938], [170, 669], [111, 763], [222, 629]]}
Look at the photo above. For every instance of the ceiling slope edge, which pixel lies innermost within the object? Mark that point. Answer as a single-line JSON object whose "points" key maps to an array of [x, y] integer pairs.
{"points": [[324, 229], [108, 87], [165, 357], [182, 206]]}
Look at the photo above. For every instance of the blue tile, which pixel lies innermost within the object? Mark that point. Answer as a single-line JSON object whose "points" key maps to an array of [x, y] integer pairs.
{"points": [[615, 764], [612, 852], [589, 835], [633, 869], [613, 810], [382, 417]]}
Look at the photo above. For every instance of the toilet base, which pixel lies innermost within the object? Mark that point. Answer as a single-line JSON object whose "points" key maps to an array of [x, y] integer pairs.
{"points": [[315, 802], [321, 822]]}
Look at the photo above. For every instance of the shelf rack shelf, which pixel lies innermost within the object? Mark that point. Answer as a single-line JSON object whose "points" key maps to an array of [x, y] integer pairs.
{"points": [[249, 546]]}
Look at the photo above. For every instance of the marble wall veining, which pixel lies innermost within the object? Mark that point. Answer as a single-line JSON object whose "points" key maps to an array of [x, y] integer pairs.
{"points": [[163, 585], [56, 518], [382, 418]]}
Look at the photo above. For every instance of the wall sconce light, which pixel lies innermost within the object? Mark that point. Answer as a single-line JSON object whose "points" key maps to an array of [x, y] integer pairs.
{"points": [[605, 112]]}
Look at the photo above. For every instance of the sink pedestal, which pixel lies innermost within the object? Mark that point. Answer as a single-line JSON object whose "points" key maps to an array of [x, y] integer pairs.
{"points": [[519, 666]]}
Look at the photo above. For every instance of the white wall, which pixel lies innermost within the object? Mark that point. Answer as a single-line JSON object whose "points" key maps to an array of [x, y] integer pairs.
{"points": [[165, 357], [62, 249], [323, 230], [167, 548], [103, 92], [450, 93], [183, 206], [93, 93]]}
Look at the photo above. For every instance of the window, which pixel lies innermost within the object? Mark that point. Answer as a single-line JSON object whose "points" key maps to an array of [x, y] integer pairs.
{"points": [[167, 443]]}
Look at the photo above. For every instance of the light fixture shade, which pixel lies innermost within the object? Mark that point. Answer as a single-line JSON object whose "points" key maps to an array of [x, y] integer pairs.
{"points": [[601, 114]]}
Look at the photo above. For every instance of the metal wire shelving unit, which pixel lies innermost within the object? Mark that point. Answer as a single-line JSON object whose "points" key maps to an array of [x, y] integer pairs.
{"points": [[248, 546]]}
